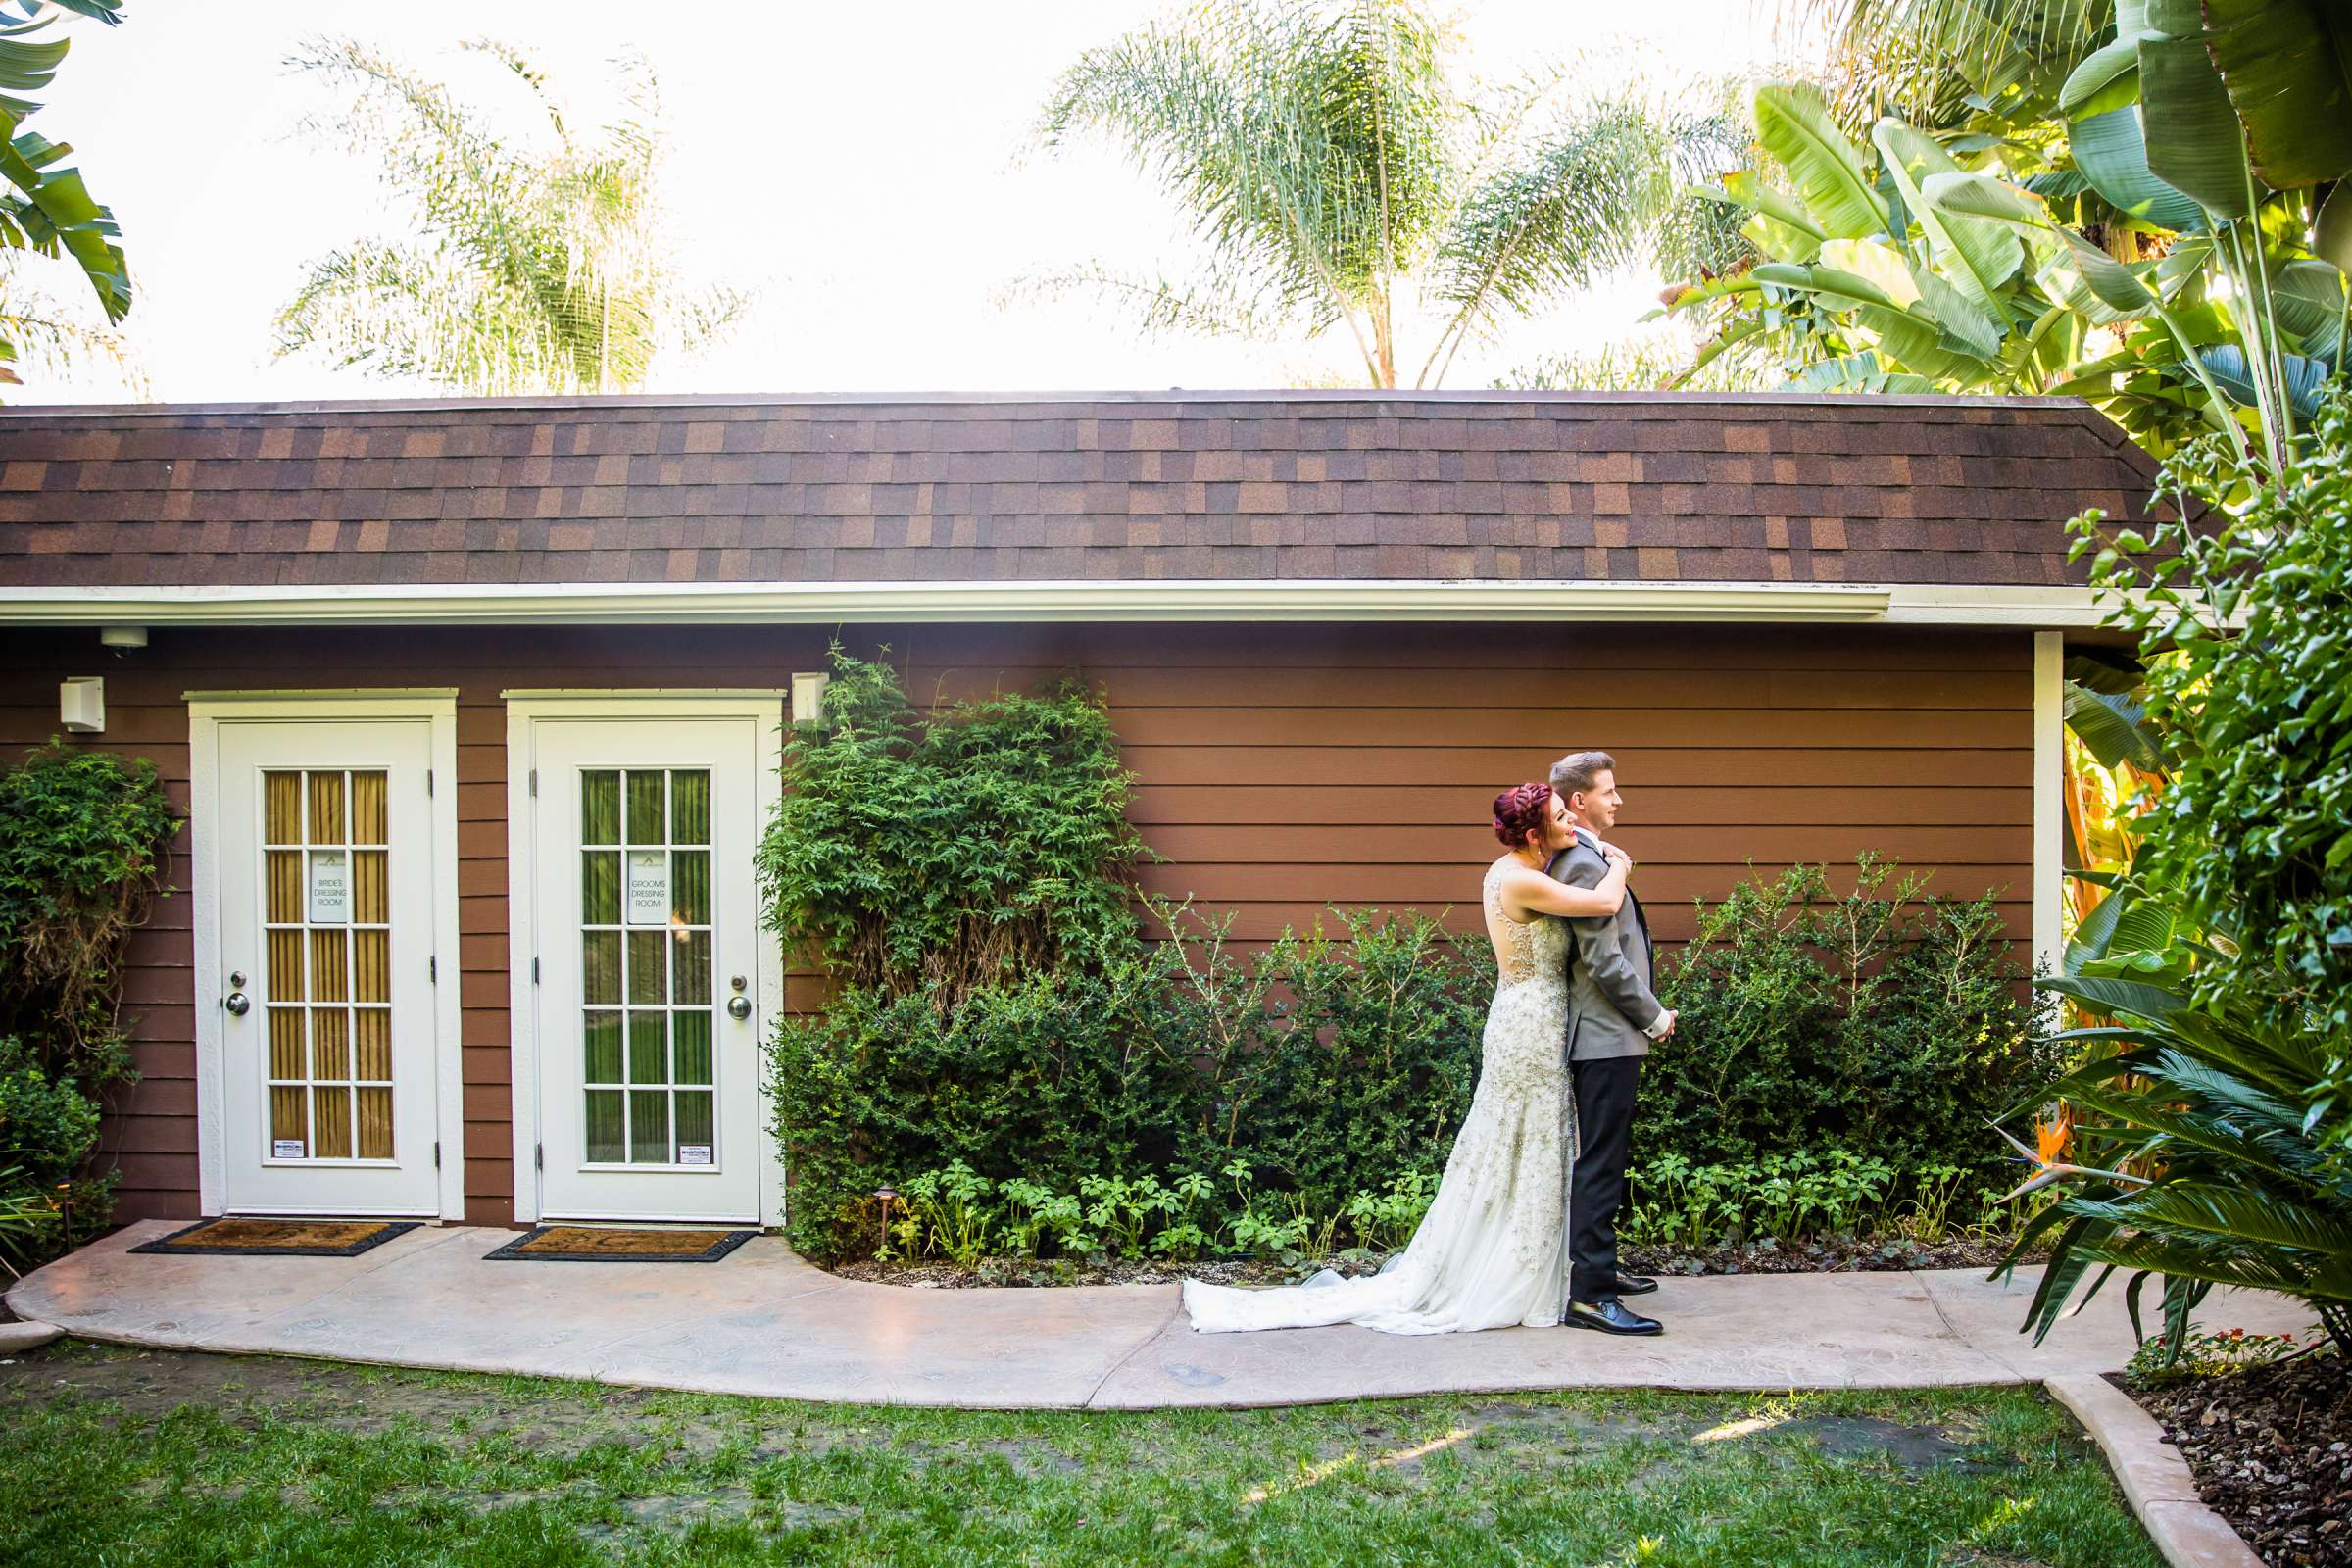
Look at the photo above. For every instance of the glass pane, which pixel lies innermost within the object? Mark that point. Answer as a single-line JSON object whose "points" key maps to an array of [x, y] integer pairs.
{"points": [[369, 809], [330, 975], [285, 886], [372, 1044], [289, 1115], [690, 887], [375, 1123], [691, 1033], [599, 887], [606, 1142], [371, 897], [601, 1033], [285, 1045], [694, 1118], [691, 956], [334, 1123], [286, 966], [281, 811], [690, 807], [330, 1042], [649, 964], [600, 967], [326, 813], [649, 1127], [600, 806], [371, 967], [644, 807], [649, 1047]]}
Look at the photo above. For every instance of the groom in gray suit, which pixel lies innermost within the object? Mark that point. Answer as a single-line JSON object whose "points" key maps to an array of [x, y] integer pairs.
{"points": [[1613, 1014]]}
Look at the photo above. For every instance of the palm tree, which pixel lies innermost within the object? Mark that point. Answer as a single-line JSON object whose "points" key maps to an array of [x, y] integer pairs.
{"points": [[1922, 59], [44, 206], [531, 269], [1337, 177]]}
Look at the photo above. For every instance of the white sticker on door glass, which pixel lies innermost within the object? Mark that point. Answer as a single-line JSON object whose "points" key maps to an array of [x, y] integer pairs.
{"points": [[287, 1149], [330, 887], [649, 887], [694, 1153]]}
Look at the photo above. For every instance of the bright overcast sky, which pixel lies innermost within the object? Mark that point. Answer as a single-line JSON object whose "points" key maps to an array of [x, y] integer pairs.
{"points": [[863, 168]]}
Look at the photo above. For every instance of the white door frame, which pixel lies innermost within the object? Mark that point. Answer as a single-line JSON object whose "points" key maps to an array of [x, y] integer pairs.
{"points": [[207, 712], [767, 708]]}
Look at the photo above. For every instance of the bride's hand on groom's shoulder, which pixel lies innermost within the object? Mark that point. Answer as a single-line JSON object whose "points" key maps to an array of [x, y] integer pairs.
{"points": [[1615, 855]]}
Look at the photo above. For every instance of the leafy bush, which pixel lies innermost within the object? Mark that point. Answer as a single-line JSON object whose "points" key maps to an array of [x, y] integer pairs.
{"points": [[82, 844], [1335, 1067], [943, 851], [1881, 1020]]}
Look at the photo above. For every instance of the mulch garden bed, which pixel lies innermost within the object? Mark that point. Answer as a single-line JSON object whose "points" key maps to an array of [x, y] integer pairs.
{"points": [[2271, 1448], [1828, 1256]]}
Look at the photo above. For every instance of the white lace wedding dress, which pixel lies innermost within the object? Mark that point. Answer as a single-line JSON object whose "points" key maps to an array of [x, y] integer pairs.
{"points": [[1492, 1251]]}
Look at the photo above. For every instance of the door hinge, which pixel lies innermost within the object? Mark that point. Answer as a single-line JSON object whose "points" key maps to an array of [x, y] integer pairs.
{"points": [[432, 970], [539, 1156], [534, 971], [436, 1154], [534, 781], [429, 781]]}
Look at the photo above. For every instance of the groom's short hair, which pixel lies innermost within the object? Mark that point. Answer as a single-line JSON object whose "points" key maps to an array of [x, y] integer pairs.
{"points": [[1573, 773]]}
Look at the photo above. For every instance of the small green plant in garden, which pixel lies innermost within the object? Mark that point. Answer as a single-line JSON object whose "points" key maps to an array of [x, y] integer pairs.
{"points": [[2204, 1353], [1387, 1219]]}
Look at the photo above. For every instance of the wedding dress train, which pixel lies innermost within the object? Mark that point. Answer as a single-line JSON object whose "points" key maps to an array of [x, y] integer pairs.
{"points": [[1492, 1251]]}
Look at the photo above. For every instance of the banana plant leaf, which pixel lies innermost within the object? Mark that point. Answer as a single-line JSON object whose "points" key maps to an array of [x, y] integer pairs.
{"points": [[1795, 124], [1977, 255], [2306, 378], [1857, 373], [2332, 236], [2194, 142], [2112, 153], [2286, 66], [2308, 300], [2112, 728], [2117, 675]]}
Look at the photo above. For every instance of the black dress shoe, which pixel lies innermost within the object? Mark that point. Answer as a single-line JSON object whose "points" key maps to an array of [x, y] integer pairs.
{"points": [[1635, 1284], [1610, 1316]]}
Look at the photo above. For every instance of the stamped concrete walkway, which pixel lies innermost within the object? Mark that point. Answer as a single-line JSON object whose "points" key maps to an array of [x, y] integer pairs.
{"points": [[764, 1322]]}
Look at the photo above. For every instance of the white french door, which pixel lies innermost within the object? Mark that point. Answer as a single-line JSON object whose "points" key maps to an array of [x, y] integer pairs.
{"points": [[646, 999], [326, 855]]}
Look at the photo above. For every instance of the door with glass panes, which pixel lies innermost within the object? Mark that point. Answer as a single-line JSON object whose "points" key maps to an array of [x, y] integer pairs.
{"points": [[647, 936], [327, 863]]}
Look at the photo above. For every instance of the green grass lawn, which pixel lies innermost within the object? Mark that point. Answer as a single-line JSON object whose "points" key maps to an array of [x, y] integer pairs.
{"points": [[118, 1457]]}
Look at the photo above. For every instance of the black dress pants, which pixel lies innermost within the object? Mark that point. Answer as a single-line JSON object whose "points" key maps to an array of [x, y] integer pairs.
{"points": [[1605, 1121]]}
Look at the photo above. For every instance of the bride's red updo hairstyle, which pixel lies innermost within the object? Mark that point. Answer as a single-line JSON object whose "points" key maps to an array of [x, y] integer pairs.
{"points": [[1522, 813]]}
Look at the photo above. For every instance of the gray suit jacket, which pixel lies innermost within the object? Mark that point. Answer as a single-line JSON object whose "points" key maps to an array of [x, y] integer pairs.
{"points": [[1612, 1002]]}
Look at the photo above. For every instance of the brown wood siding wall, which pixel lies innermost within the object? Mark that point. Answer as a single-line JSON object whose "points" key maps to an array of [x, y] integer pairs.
{"points": [[1280, 769]]}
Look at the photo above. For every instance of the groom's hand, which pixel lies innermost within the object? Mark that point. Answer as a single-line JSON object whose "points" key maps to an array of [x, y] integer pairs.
{"points": [[1674, 1019]]}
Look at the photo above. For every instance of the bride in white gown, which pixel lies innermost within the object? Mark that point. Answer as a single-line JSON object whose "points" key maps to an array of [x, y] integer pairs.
{"points": [[1492, 1251]]}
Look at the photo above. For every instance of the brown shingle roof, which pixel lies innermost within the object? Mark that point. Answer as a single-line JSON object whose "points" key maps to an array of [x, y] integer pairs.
{"points": [[1513, 486]]}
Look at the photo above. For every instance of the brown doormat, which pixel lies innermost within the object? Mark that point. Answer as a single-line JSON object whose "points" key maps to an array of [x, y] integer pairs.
{"points": [[588, 1244], [232, 1237]]}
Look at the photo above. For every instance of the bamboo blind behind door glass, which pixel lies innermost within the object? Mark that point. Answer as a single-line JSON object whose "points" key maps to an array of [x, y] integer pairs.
{"points": [[327, 919]]}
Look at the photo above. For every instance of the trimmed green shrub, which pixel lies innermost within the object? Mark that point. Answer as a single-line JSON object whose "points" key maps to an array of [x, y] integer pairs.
{"points": [[1332, 1068], [938, 852]]}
